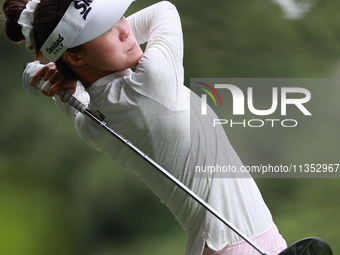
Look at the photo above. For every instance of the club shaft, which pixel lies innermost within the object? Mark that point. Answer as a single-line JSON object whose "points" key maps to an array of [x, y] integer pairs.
{"points": [[83, 109]]}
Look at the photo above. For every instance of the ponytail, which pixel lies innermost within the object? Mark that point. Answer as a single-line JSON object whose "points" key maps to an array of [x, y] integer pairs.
{"points": [[12, 10]]}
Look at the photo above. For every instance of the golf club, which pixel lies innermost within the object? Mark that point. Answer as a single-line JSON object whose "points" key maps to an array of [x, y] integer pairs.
{"points": [[308, 246]]}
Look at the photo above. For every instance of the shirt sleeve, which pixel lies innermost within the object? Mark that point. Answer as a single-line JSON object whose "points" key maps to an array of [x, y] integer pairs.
{"points": [[69, 110], [160, 73]]}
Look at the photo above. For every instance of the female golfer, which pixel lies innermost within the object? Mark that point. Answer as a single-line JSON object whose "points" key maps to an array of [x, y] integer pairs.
{"points": [[92, 49]]}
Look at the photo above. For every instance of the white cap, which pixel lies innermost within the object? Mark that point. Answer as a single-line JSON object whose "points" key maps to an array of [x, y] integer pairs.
{"points": [[83, 21]]}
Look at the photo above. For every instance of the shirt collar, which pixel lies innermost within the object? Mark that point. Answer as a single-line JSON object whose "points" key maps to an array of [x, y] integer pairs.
{"points": [[107, 79]]}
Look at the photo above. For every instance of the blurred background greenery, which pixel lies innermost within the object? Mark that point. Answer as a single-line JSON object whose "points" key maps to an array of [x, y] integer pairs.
{"points": [[59, 196]]}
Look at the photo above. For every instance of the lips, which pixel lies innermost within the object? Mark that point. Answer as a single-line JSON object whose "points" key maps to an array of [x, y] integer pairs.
{"points": [[134, 46]]}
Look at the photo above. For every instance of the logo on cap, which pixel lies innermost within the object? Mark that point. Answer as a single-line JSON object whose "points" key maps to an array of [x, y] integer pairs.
{"points": [[85, 5], [56, 46]]}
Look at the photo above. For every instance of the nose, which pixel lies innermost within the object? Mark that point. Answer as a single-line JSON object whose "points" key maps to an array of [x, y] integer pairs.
{"points": [[123, 33]]}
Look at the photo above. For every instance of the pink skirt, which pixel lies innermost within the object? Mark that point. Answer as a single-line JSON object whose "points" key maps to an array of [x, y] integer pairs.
{"points": [[269, 241]]}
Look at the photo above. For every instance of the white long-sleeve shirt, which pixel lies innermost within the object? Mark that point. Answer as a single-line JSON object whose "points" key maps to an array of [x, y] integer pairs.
{"points": [[154, 110]]}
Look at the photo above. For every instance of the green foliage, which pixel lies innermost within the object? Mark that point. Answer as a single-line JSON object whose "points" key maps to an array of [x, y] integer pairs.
{"points": [[58, 196]]}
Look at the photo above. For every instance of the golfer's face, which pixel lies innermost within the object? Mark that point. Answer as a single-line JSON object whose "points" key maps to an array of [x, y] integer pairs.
{"points": [[115, 50]]}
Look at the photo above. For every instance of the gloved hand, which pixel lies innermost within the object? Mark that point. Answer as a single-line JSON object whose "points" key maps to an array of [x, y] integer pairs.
{"points": [[30, 70], [45, 79]]}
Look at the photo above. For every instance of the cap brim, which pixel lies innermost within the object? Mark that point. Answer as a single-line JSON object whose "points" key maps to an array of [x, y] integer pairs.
{"points": [[104, 18], [81, 23]]}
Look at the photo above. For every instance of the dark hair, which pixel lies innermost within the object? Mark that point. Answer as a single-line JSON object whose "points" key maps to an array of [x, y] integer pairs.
{"points": [[46, 17], [12, 10]]}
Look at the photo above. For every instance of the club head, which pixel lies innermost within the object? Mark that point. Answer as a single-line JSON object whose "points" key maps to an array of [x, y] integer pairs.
{"points": [[308, 246]]}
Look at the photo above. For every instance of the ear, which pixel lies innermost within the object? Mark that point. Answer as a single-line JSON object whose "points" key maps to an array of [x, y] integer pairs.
{"points": [[72, 59]]}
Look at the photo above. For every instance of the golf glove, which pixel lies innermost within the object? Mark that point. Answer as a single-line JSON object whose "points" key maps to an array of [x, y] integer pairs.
{"points": [[30, 70]]}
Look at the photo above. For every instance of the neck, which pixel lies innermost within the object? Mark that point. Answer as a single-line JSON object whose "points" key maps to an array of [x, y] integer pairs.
{"points": [[90, 74]]}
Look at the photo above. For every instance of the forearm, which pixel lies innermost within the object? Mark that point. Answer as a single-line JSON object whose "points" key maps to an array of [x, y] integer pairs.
{"points": [[158, 21]]}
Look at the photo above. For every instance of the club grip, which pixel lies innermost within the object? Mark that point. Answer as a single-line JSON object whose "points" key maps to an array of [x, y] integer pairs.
{"points": [[74, 102]]}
